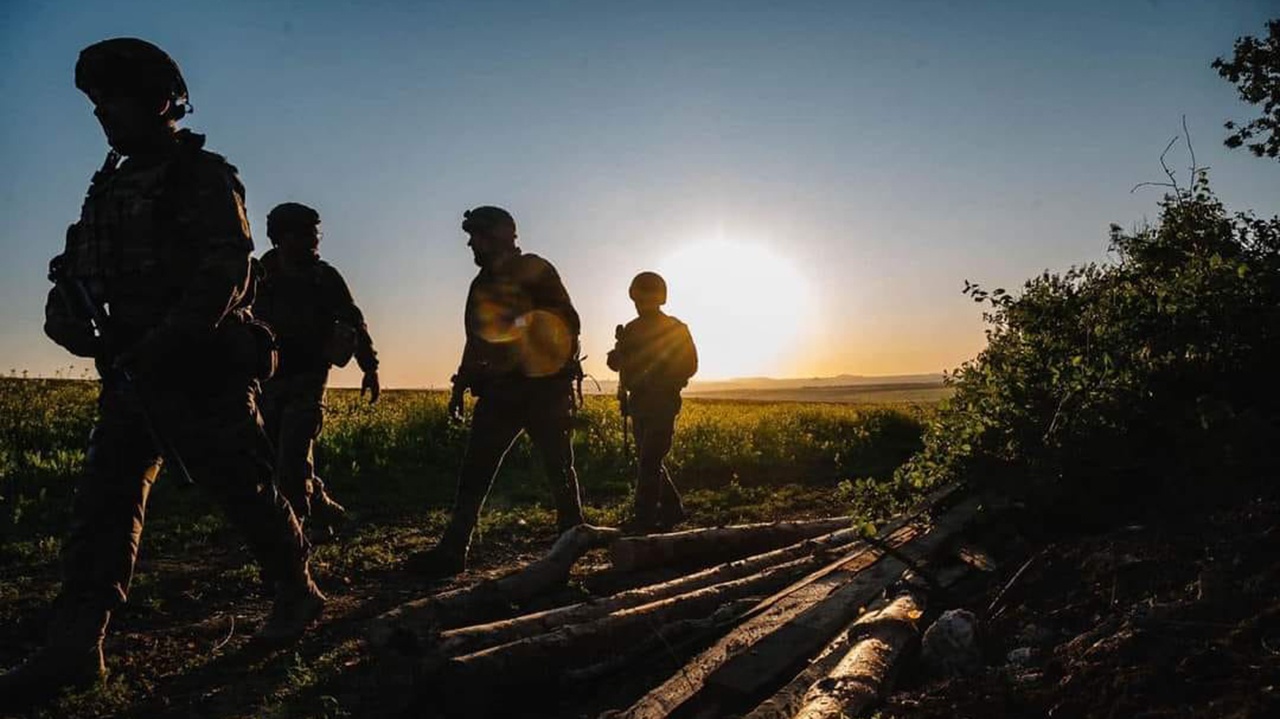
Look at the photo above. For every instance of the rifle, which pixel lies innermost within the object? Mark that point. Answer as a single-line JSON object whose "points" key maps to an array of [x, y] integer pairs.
{"points": [[80, 302]]}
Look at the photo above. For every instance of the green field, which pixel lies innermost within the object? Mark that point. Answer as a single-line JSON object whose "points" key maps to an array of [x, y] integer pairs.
{"points": [[400, 456], [394, 466]]}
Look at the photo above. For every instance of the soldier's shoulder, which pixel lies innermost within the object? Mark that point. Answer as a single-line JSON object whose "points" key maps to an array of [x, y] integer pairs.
{"points": [[327, 272], [208, 168], [529, 262]]}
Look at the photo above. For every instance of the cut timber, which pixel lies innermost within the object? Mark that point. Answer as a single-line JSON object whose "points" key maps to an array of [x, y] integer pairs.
{"points": [[787, 701], [574, 645], [466, 640], [863, 674], [700, 547], [409, 624], [792, 626]]}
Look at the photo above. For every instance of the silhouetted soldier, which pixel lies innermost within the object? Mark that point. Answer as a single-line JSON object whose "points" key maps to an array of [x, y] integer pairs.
{"points": [[307, 303], [654, 358], [163, 243], [520, 361]]}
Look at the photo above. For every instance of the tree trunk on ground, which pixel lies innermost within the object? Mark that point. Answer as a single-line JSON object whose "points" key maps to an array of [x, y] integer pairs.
{"points": [[406, 626], [792, 626], [787, 701], [865, 671], [815, 552], [700, 547], [542, 657]]}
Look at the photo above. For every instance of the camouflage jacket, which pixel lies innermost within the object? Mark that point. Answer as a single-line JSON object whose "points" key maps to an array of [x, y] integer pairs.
{"points": [[164, 242], [654, 355], [520, 323], [303, 306]]}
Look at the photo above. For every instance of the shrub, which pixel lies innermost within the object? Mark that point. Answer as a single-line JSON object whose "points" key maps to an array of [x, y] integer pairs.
{"points": [[1110, 382]]}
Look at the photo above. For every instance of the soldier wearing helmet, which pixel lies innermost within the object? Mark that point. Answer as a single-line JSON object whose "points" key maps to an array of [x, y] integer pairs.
{"points": [[159, 263], [654, 357], [307, 303], [520, 362]]}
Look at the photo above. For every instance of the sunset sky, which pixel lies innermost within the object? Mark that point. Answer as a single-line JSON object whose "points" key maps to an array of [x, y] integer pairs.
{"points": [[815, 179]]}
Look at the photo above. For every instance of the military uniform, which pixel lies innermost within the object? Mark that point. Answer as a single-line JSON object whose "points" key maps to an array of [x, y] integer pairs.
{"points": [[306, 307], [163, 243], [655, 356], [519, 361]]}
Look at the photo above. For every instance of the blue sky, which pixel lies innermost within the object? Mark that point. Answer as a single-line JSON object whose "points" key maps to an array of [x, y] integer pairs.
{"points": [[883, 151]]}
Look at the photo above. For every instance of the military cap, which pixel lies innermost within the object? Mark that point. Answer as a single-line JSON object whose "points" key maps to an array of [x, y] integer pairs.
{"points": [[130, 66]]}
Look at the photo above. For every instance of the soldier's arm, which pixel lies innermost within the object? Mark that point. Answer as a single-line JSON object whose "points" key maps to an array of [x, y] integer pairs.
{"points": [[346, 311], [222, 243], [690, 355]]}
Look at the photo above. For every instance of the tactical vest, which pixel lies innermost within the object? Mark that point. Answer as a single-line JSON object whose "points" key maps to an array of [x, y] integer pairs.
{"points": [[134, 245]]}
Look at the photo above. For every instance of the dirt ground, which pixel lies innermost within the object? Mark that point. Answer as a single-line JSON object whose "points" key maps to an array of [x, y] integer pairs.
{"points": [[1176, 617]]}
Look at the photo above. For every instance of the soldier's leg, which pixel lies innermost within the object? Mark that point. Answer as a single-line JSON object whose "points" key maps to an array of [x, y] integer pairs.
{"points": [[98, 557], [670, 508], [222, 441], [648, 474], [495, 425], [291, 420], [549, 422]]}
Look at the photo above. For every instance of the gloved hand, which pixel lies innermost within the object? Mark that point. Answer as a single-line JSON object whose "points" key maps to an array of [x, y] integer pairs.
{"points": [[455, 403], [370, 382]]}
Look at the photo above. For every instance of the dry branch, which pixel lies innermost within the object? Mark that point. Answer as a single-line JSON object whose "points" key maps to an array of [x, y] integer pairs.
{"points": [[700, 547], [812, 552], [545, 655], [407, 625], [792, 626]]}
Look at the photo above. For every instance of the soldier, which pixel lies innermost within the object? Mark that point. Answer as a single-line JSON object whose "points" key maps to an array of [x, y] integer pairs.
{"points": [[163, 243], [307, 303], [654, 357], [520, 362]]}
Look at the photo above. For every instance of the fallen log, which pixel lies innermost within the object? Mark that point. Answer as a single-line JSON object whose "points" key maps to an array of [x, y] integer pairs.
{"points": [[700, 547], [787, 701], [404, 627], [791, 626], [865, 671], [813, 553], [541, 657]]}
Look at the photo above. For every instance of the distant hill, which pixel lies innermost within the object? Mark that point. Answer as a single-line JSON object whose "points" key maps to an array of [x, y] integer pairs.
{"points": [[840, 388], [842, 380]]}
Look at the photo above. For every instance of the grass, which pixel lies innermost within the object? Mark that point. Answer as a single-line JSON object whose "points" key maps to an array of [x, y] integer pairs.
{"points": [[394, 466]]}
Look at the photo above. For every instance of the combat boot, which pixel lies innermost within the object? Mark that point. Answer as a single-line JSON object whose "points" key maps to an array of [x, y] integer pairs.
{"points": [[71, 659], [441, 561], [297, 605], [669, 515]]}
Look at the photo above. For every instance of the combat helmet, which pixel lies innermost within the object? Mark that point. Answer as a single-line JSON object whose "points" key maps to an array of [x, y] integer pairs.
{"points": [[290, 216], [648, 286], [130, 66], [487, 217]]}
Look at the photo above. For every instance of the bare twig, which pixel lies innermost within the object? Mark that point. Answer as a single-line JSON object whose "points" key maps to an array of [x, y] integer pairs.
{"points": [[230, 633], [1012, 580], [1194, 167]]}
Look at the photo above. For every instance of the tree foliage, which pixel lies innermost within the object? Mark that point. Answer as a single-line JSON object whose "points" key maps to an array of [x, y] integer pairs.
{"points": [[1255, 71], [1112, 380]]}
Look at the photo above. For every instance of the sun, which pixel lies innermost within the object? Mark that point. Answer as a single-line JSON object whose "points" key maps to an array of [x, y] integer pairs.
{"points": [[747, 307]]}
